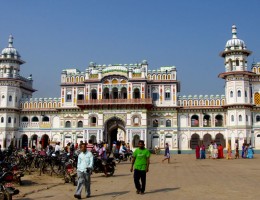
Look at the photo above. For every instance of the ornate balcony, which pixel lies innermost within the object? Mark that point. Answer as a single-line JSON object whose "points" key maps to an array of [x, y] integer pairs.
{"points": [[117, 102]]}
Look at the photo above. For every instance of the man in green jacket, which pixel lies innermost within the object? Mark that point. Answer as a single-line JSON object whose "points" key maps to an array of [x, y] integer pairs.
{"points": [[140, 162]]}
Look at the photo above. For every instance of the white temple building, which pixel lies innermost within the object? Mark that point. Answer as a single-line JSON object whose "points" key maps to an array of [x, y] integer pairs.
{"points": [[129, 102]]}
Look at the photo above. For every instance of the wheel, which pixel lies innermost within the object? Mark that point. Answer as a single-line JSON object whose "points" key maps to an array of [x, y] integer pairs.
{"points": [[8, 196], [111, 170]]}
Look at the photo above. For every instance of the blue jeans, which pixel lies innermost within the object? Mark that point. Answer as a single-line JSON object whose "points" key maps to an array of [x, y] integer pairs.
{"points": [[83, 179]]}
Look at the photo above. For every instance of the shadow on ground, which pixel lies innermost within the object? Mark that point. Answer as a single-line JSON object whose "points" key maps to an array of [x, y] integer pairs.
{"points": [[112, 194], [162, 190]]}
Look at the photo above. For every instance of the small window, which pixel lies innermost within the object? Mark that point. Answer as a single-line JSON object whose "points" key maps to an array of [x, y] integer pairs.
{"points": [[10, 98], [155, 123], [167, 96], [245, 93], [246, 118], [231, 94], [25, 119], [15, 120], [257, 118], [239, 93], [68, 98], [9, 120], [168, 123], [240, 118], [3, 96], [2, 119], [232, 118], [93, 120], [67, 124], [155, 96], [237, 62], [35, 119], [45, 119], [80, 124]]}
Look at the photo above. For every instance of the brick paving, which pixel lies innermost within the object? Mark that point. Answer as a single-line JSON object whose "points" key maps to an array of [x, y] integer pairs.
{"points": [[184, 178]]}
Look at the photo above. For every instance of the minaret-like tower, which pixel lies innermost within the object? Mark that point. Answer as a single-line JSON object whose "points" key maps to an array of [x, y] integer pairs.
{"points": [[237, 90], [13, 87]]}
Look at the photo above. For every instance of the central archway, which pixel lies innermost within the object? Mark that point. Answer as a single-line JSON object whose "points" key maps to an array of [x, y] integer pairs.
{"points": [[114, 131]]}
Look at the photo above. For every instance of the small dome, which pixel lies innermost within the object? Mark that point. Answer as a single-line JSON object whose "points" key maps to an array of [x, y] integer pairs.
{"points": [[144, 62], [235, 42], [10, 50]]}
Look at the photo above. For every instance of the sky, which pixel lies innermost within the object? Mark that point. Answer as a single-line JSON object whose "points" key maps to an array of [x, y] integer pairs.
{"points": [[189, 34]]}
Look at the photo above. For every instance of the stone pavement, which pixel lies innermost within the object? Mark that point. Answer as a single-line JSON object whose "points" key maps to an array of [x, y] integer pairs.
{"points": [[183, 179]]}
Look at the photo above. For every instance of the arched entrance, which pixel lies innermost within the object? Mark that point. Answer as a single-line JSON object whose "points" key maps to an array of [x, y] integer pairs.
{"points": [[220, 140], [24, 141], [114, 130], [195, 140], [207, 139], [45, 141]]}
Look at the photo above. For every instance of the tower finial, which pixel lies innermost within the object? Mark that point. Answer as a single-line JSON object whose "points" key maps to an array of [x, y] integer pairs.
{"points": [[234, 31], [10, 41]]}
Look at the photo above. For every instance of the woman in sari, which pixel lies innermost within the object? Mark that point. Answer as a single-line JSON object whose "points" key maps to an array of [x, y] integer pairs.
{"points": [[229, 152], [197, 152], [220, 152]]}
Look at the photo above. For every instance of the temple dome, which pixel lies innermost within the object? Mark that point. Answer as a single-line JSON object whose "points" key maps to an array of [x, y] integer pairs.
{"points": [[10, 50], [235, 43]]}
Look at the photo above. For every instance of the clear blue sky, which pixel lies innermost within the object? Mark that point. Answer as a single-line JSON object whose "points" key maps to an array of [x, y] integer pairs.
{"points": [[54, 35]]}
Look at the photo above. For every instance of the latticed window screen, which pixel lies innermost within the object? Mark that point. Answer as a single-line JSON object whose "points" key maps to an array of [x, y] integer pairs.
{"points": [[257, 98]]}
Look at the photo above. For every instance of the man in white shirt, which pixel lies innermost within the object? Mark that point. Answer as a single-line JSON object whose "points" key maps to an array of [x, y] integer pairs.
{"points": [[84, 167]]}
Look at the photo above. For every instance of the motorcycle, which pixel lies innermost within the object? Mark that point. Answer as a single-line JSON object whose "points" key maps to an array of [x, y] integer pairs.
{"points": [[120, 157], [99, 166], [6, 186]]}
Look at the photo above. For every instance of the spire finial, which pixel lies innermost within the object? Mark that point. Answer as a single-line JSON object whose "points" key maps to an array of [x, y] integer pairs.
{"points": [[234, 31], [10, 41]]}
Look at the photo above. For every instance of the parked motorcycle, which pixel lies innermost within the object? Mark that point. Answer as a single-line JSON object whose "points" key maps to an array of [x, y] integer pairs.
{"points": [[119, 157], [6, 186], [99, 166]]}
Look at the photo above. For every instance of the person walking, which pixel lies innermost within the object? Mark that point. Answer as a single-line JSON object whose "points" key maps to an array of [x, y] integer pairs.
{"points": [[202, 152], [84, 167], [140, 162], [167, 153]]}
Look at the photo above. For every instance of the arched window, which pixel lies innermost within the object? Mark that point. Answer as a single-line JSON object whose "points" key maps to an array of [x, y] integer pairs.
{"points": [[67, 124], [15, 120], [45, 119], [232, 118], [68, 96], [155, 123], [168, 123], [136, 120], [194, 121], [136, 94], [9, 120], [35, 119], [231, 94], [257, 98], [237, 62], [239, 93], [25, 119], [10, 98], [245, 93], [247, 118], [258, 118], [240, 118], [206, 121], [80, 124], [219, 120], [2, 119], [230, 64], [93, 121]]}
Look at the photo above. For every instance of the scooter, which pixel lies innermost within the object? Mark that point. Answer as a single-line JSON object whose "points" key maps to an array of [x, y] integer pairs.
{"points": [[6, 186]]}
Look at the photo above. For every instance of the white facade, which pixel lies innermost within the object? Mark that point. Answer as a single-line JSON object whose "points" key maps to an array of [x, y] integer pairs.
{"points": [[129, 102]]}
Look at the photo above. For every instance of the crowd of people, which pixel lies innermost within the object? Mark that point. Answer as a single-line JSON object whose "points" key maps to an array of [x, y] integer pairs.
{"points": [[216, 151]]}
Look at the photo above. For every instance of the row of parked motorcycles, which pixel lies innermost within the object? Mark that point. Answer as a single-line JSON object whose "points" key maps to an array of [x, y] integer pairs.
{"points": [[9, 174]]}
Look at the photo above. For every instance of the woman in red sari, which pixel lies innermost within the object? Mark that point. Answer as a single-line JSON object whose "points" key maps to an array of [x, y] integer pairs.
{"points": [[198, 152], [220, 151]]}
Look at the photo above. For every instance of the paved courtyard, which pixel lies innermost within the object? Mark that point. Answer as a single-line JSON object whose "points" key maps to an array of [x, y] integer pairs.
{"points": [[184, 178]]}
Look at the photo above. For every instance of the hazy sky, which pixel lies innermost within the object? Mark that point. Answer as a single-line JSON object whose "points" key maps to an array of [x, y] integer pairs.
{"points": [[53, 35]]}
